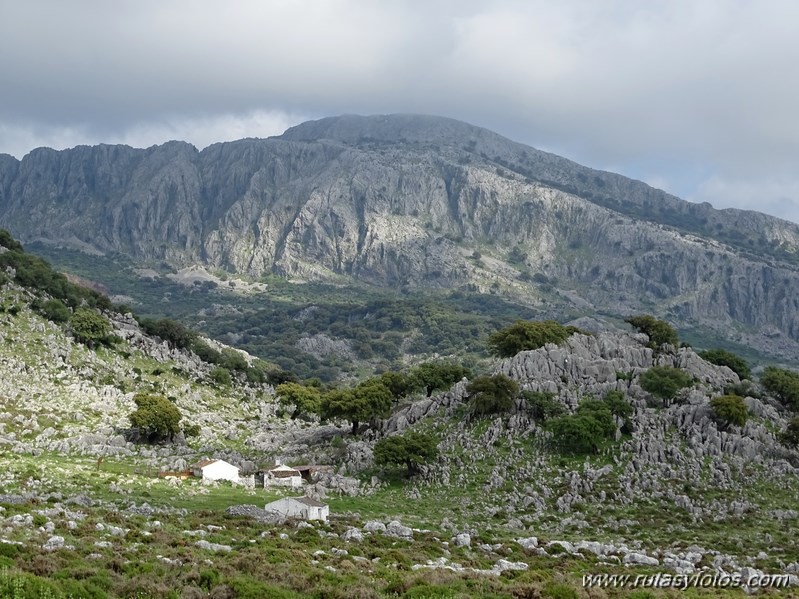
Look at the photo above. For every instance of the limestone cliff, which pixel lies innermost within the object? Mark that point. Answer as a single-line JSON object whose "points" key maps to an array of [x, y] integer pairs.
{"points": [[418, 201]]}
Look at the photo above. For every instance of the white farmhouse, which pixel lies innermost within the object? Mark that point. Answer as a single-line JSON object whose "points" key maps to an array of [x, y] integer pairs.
{"points": [[299, 507], [216, 470], [283, 476]]}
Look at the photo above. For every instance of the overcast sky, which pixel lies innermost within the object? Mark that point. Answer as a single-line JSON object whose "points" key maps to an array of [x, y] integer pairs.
{"points": [[696, 97]]}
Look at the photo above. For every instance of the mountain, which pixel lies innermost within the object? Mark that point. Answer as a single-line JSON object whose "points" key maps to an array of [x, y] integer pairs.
{"points": [[408, 201]]}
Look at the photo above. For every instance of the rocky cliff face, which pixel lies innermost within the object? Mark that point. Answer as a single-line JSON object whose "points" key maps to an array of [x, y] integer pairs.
{"points": [[418, 201]]}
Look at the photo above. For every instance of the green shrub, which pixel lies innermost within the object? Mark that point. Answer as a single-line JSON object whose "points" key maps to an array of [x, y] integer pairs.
{"points": [[55, 311], [730, 409], [221, 376], [155, 417], [585, 430], [492, 394], [721, 357], [664, 381], [659, 331], [782, 383], [543, 406], [527, 335], [90, 327]]}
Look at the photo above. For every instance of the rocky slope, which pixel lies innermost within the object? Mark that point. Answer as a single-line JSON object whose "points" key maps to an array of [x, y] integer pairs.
{"points": [[418, 201]]}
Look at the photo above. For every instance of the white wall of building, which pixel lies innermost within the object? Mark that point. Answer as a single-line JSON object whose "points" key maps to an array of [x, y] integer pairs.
{"points": [[221, 470]]}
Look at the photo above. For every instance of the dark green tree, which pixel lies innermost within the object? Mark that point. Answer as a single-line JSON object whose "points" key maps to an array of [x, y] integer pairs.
{"points": [[367, 401], [304, 400], [782, 383], [411, 449], [576, 434], [617, 404], [729, 410], [436, 376], [491, 394], [156, 418], [90, 327], [527, 335], [171, 331], [55, 310], [659, 331], [664, 382], [543, 406], [722, 357], [7, 241]]}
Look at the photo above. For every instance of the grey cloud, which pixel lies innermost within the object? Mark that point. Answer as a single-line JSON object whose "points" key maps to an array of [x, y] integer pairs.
{"points": [[691, 86]]}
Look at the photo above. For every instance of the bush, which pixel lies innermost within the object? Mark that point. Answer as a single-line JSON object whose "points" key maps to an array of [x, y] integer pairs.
{"points": [[527, 335], [55, 311], [90, 327], [664, 381], [543, 406], [155, 417], [492, 394], [659, 331], [221, 376], [576, 434], [730, 409], [782, 383], [721, 357]]}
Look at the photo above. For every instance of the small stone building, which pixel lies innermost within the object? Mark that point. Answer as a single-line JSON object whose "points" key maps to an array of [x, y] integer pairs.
{"points": [[216, 470], [283, 476], [299, 507]]}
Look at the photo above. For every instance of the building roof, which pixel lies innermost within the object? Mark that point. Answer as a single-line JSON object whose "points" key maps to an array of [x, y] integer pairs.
{"points": [[204, 463], [309, 501], [284, 471]]}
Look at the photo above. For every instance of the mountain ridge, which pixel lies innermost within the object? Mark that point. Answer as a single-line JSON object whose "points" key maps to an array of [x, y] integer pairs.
{"points": [[418, 201]]}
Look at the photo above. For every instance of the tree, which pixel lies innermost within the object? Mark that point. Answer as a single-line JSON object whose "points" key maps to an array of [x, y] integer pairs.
{"points": [[665, 381], [55, 310], [304, 400], [491, 394], [174, 333], [436, 376], [399, 384], [585, 430], [576, 434], [542, 405], [722, 357], [527, 335], [730, 409], [618, 404], [90, 327], [782, 383], [659, 331], [367, 401], [155, 417], [411, 450], [790, 436], [7, 241]]}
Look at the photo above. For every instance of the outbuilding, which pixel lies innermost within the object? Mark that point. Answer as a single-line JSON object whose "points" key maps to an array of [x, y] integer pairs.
{"points": [[306, 508], [216, 470], [283, 476]]}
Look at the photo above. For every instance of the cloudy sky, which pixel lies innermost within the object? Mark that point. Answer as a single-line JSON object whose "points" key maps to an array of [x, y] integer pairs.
{"points": [[697, 97]]}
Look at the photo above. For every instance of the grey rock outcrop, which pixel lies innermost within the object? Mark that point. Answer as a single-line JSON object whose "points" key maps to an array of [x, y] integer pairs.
{"points": [[406, 200]]}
